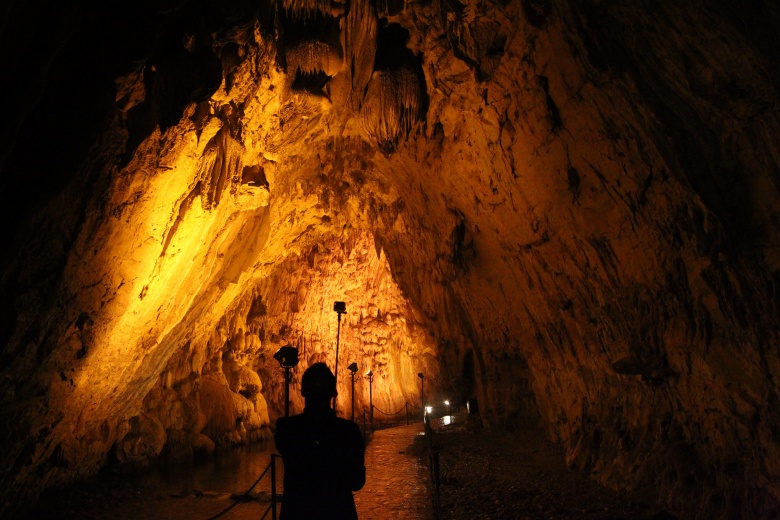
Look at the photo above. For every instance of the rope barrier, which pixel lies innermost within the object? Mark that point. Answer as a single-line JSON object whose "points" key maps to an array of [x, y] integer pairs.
{"points": [[245, 494], [403, 409]]}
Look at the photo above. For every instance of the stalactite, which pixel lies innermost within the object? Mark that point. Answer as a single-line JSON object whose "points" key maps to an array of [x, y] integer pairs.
{"points": [[219, 165], [313, 56], [391, 107], [360, 33], [305, 9]]}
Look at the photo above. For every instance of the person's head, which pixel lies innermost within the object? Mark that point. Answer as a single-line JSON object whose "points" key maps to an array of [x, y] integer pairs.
{"points": [[318, 385]]}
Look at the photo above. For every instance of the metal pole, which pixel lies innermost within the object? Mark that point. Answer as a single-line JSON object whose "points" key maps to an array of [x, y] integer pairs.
{"points": [[352, 416], [371, 400], [336, 368], [273, 486], [422, 394], [406, 405], [286, 391]]}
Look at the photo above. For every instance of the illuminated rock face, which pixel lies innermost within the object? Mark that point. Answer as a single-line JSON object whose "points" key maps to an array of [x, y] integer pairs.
{"points": [[577, 200]]}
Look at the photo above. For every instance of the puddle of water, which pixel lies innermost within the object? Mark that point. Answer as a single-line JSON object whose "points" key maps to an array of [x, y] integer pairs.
{"points": [[230, 471], [185, 490]]}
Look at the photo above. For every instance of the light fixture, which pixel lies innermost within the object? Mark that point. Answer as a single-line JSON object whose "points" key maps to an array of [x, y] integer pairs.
{"points": [[353, 368], [370, 376], [339, 308], [287, 356], [422, 392]]}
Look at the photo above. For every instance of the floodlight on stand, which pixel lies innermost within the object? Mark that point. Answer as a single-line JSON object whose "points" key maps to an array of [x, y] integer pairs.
{"points": [[287, 356], [422, 392], [339, 308], [370, 376], [353, 368]]}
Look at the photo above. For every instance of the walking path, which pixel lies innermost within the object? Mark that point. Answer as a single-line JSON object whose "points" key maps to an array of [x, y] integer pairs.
{"points": [[397, 483]]}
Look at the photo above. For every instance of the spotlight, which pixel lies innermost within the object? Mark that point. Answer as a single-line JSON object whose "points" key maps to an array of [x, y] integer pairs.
{"points": [[429, 409], [353, 368], [422, 392], [370, 376], [287, 356], [340, 308]]}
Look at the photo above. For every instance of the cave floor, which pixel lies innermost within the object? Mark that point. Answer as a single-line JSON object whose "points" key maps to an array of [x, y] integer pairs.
{"points": [[522, 475], [484, 475], [194, 490]]}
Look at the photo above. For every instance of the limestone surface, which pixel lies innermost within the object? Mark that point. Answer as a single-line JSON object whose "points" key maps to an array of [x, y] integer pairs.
{"points": [[560, 212]]}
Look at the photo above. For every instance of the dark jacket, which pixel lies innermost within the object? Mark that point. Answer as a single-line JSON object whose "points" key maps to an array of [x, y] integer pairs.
{"points": [[323, 464]]}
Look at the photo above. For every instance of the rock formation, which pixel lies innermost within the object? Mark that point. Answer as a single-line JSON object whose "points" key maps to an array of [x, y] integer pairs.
{"points": [[565, 210]]}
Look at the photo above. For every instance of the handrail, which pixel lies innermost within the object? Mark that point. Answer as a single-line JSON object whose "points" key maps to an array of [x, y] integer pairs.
{"points": [[404, 407], [272, 507], [272, 466]]}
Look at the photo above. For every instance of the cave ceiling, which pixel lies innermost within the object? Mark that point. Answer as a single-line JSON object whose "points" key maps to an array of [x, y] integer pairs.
{"points": [[564, 211]]}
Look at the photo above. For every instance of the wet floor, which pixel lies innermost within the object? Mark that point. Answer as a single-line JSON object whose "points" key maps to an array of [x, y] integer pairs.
{"points": [[397, 482], [396, 486], [190, 490]]}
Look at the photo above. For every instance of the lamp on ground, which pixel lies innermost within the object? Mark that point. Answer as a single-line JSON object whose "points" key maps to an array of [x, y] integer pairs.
{"points": [[353, 368], [370, 376], [339, 308], [287, 357], [422, 392]]}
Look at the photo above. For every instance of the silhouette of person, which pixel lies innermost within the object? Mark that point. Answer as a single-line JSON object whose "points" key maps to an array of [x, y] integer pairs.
{"points": [[323, 454]]}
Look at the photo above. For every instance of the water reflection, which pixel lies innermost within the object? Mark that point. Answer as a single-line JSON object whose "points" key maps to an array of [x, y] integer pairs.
{"points": [[229, 471], [170, 491]]}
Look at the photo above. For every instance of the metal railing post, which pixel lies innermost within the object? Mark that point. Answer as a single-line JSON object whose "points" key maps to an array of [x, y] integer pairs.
{"points": [[436, 489], [273, 487]]}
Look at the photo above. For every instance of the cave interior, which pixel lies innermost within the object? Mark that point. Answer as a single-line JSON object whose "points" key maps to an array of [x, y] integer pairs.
{"points": [[564, 211]]}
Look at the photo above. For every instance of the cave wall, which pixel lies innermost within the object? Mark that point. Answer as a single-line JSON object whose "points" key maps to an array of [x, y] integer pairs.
{"points": [[573, 198]]}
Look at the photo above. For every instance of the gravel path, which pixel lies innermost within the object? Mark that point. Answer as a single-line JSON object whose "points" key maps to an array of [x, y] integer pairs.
{"points": [[522, 475]]}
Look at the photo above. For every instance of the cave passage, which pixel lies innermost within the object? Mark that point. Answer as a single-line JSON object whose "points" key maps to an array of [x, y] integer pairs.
{"points": [[559, 216]]}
